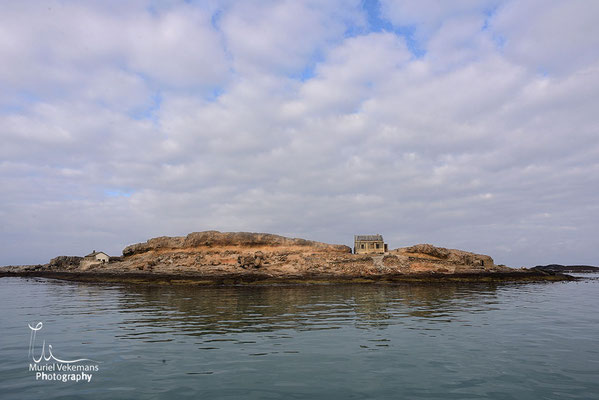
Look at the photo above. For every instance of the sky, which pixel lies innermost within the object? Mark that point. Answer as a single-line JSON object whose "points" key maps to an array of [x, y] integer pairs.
{"points": [[469, 124]]}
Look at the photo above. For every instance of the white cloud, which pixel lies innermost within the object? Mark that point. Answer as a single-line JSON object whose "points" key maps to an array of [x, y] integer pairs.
{"points": [[179, 47], [459, 41], [426, 16], [549, 36], [276, 36], [53, 49], [350, 73]]}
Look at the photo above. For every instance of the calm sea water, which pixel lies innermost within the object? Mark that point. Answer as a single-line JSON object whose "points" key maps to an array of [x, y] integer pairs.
{"points": [[479, 341]]}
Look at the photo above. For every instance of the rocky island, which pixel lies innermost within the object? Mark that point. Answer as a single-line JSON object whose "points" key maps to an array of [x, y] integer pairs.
{"points": [[213, 257]]}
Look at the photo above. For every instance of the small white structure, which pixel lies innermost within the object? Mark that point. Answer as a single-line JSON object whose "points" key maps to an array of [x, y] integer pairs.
{"points": [[94, 258], [98, 256]]}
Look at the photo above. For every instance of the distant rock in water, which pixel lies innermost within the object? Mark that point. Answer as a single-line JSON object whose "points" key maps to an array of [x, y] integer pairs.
{"points": [[566, 268]]}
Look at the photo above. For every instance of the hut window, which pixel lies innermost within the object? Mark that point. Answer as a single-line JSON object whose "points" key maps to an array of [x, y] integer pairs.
{"points": [[362, 245], [377, 245]]}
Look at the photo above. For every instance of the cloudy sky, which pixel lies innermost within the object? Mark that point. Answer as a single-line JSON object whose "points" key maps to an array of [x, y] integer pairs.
{"points": [[470, 124]]}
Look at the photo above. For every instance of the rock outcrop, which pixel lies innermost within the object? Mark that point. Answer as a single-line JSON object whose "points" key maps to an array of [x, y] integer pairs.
{"points": [[213, 253], [228, 239], [426, 257], [65, 262]]}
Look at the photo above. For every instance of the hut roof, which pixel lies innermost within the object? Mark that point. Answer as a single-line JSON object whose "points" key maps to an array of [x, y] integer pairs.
{"points": [[95, 253], [370, 238]]}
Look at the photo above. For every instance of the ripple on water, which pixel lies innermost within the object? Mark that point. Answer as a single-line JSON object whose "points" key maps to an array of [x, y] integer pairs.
{"points": [[348, 341]]}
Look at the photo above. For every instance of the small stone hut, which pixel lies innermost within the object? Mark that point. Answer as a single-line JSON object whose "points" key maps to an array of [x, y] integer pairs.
{"points": [[93, 259], [364, 244], [98, 256]]}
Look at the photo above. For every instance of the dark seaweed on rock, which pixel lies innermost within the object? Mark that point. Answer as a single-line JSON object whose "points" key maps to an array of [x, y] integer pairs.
{"points": [[566, 268]]}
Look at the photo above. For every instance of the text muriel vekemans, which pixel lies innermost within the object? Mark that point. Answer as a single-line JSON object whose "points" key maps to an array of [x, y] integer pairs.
{"points": [[79, 370], [66, 372]]}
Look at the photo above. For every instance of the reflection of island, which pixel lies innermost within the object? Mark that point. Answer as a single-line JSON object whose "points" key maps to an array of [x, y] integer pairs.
{"points": [[557, 268], [212, 311]]}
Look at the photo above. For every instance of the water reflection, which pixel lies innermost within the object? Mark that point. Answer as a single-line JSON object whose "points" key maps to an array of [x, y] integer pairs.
{"points": [[200, 311], [354, 341]]}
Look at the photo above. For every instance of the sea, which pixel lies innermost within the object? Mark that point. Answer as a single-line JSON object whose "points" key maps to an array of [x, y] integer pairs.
{"points": [[70, 340]]}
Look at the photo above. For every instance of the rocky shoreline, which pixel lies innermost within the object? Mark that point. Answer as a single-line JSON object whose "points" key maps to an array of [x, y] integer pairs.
{"points": [[260, 279], [241, 258]]}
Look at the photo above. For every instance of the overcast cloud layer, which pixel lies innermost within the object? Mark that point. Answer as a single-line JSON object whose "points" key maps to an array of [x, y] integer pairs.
{"points": [[468, 124]]}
